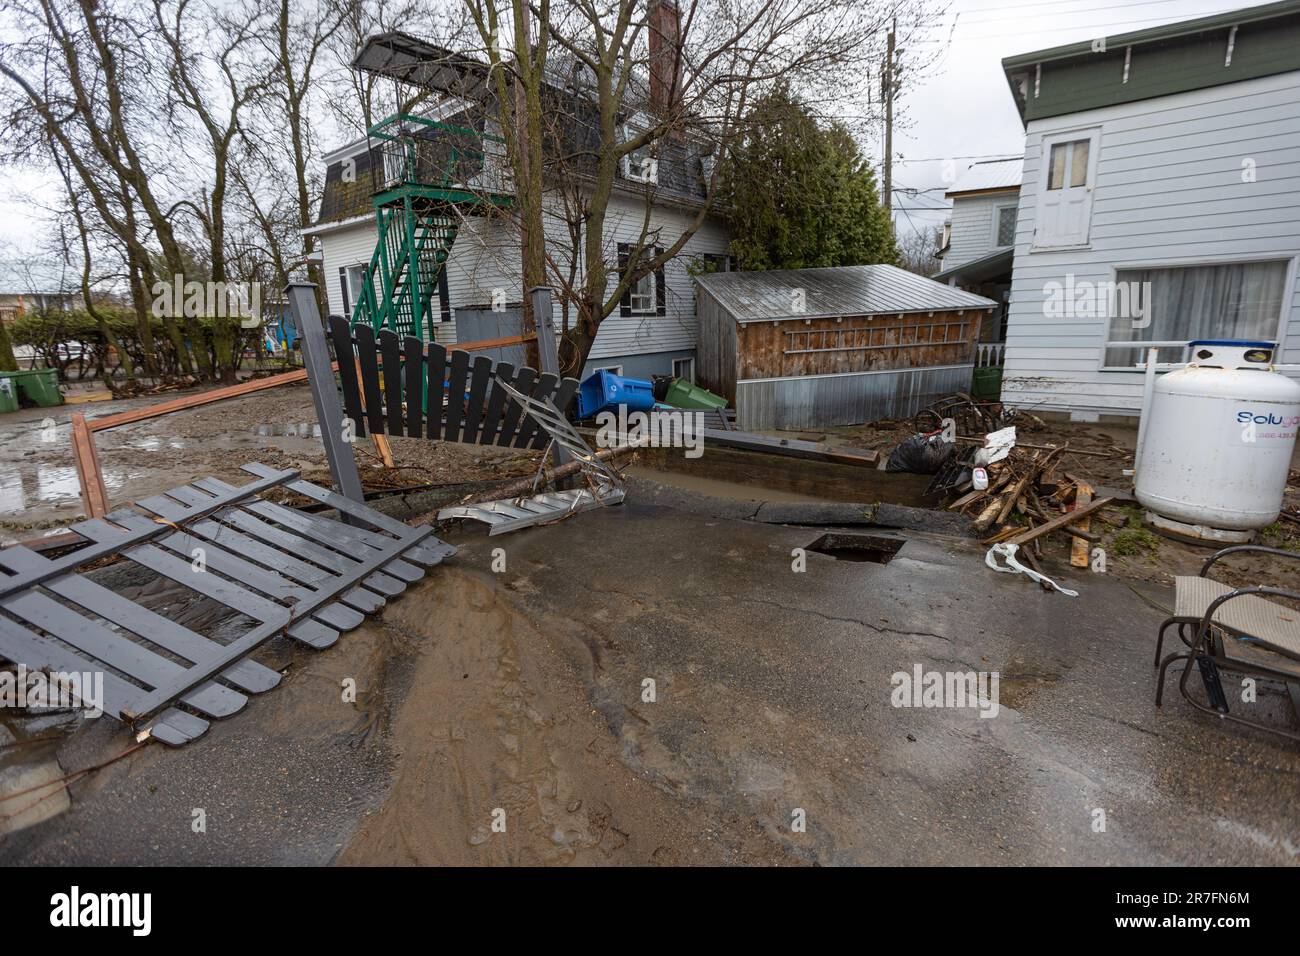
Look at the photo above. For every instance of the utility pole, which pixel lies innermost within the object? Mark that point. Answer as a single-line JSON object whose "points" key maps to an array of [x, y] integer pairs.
{"points": [[887, 94]]}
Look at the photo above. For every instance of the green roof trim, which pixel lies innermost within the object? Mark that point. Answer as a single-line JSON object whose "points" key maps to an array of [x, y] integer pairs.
{"points": [[1173, 58]]}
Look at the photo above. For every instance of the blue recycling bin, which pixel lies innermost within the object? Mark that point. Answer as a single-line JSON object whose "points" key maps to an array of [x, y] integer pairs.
{"points": [[604, 390]]}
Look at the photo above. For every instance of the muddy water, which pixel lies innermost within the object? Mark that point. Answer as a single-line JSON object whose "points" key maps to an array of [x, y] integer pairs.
{"points": [[718, 488]]}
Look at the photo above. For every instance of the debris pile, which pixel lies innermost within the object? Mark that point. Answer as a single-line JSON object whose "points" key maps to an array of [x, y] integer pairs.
{"points": [[1027, 498]]}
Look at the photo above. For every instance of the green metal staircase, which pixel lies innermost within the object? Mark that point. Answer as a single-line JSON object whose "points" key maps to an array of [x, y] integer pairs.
{"points": [[419, 208]]}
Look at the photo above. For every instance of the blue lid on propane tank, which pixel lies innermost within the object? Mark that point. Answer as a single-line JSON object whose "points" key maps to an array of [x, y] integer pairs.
{"points": [[603, 390]]}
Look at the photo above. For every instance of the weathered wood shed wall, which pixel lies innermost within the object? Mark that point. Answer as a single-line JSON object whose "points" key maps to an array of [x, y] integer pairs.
{"points": [[833, 363]]}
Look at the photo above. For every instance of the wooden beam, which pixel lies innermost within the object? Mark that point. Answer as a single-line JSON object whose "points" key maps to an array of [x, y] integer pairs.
{"points": [[792, 447], [1079, 547], [1059, 521], [94, 496], [482, 344], [202, 398]]}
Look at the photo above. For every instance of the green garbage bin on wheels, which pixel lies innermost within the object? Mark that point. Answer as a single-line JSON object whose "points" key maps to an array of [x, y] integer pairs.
{"points": [[8, 392], [986, 383], [40, 386], [682, 394]]}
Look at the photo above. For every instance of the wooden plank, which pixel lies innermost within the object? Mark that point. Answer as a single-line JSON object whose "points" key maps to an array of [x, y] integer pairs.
{"points": [[374, 403], [434, 390], [193, 401], [455, 408], [413, 370], [17, 643], [791, 447], [482, 344], [1068, 518], [1079, 546], [94, 496], [246, 675], [480, 378], [347, 365], [390, 346], [510, 420], [497, 399], [117, 651]]}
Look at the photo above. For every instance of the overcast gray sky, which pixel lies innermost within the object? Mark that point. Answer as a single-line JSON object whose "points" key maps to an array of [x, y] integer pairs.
{"points": [[964, 107], [961, 110]]}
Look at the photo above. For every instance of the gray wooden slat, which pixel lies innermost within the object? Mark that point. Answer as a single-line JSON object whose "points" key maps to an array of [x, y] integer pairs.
{"points": [[365, 338], [413, 369], [112, 539], [391, 347], [315, 578], [497, 402], [510, 421], [434, 389], [246, 675], [455, 410], [136, 661], [562, 399], [17, 643], [480, 377], [346, 354], [544, 389], [175, 727], [342, 503]]}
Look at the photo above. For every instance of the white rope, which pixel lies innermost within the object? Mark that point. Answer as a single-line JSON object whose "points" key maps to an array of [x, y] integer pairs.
{"points": [[1008, 551]]}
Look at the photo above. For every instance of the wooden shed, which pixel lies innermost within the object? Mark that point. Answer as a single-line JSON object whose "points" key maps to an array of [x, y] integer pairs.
{"points": [[810, 348]]}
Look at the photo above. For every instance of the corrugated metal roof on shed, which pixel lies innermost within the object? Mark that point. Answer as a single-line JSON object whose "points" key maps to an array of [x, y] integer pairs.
{"points": [[842, 290]]}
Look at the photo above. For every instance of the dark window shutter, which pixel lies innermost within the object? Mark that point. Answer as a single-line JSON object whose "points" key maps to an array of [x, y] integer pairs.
{"points": [[625, 304], [661, 290], [343, 285], [444, 296]]}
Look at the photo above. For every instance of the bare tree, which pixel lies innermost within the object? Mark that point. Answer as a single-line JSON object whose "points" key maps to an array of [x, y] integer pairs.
{"points": [[916, 251]]}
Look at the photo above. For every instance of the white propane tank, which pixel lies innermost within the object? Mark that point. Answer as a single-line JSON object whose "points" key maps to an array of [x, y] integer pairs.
{"points": [[1217, 446]]}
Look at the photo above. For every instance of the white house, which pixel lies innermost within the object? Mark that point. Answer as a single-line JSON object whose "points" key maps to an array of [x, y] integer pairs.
{"points": [[654, 330], [1160, 204], [980, 235]]}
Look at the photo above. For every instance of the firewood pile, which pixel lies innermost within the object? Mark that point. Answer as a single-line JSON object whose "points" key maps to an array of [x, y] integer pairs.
{"points": [[1029, 498]]}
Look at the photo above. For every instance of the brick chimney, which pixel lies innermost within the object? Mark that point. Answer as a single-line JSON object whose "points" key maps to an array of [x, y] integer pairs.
{"points": [[665, 26]]}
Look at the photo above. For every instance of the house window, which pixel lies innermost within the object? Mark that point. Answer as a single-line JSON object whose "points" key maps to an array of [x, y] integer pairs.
{"points": [[1005, 227], [355, 284], [1069, 170], [1173, 306], [684, 368], [643, 295], [611, 369]]}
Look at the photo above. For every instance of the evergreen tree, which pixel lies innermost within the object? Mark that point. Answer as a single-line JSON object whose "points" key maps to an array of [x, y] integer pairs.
{"points": [[799, 195]]}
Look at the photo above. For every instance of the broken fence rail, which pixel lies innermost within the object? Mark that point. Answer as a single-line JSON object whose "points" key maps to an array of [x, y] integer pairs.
{"points": [[287, 571]]}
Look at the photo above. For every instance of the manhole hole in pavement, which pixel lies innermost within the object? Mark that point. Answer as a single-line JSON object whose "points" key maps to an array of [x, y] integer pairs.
{"points": [[843, 546]]}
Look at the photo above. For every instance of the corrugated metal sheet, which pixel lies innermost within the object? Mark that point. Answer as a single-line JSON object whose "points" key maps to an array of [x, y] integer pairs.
{"points": [[845, 290], [818, 401], [989, 174]]}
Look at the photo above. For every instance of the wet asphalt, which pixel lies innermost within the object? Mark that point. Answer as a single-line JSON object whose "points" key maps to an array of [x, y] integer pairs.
{"points": [[773, 705]]}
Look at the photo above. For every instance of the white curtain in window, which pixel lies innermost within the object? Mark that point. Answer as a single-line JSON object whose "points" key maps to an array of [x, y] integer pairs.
{"points": [[1240, 300]]}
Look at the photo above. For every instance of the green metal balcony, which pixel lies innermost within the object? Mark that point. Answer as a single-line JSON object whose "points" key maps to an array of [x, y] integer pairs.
{"points": [[431, 175]]}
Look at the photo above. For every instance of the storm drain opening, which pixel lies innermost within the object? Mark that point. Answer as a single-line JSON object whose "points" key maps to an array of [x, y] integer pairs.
{"points": [[851, 546]]}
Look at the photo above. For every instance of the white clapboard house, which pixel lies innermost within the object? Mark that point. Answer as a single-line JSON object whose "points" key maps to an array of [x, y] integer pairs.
{"points": [[1160, 204], [654, 329]]}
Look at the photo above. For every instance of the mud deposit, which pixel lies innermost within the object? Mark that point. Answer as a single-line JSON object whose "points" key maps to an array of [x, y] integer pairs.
{"points": [[498, 717]]}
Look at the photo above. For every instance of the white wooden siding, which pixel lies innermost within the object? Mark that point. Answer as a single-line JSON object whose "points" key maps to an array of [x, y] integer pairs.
{"points": [[974, 227], [485, 257], [1169, 191]]}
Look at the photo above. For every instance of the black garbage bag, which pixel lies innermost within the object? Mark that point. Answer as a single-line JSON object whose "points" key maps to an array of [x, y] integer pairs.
{"points": [[921, 455], [661, 384]]}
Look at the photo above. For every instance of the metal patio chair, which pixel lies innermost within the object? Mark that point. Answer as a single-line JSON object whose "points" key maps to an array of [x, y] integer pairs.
{"points": [[1235, 629]]}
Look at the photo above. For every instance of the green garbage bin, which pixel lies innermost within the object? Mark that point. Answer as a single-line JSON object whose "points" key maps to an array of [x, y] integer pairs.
{"points": [[682, 394], [8, 392], [41, 386]]}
